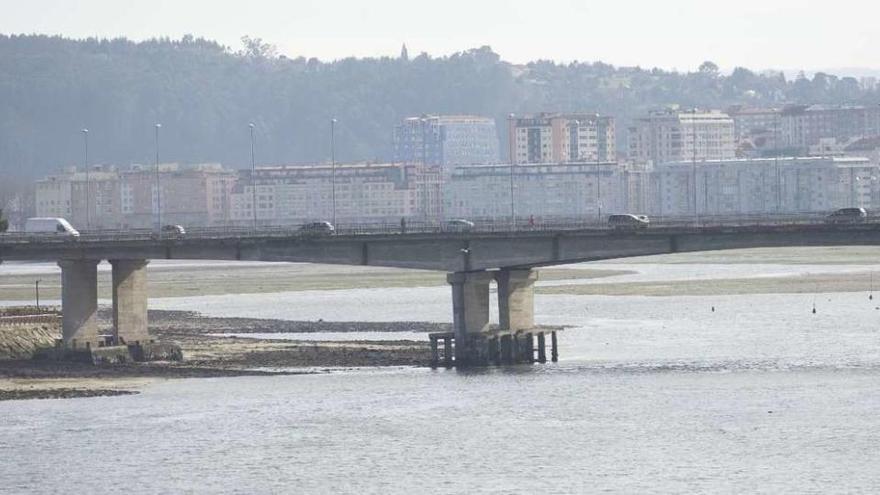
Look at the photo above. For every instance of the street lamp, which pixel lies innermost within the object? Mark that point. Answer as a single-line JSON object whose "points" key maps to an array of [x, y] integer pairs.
{"points": [[423, 124], [85, 133], [253, 177], [333, 166], [158, 186], [512, 209], [694, 159]]}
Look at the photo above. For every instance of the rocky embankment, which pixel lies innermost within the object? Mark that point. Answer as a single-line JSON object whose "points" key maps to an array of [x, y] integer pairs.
{"points": [[192, 323], [208, 353], [24, 330], [204, 345]]}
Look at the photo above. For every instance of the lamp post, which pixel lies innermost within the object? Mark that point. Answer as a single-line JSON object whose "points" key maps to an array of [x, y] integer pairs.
{"points": [[85, 133], [694, 159], [333, 166], [424, 122], [512, 209], [253, 177], [776, 159], [158, 186]]}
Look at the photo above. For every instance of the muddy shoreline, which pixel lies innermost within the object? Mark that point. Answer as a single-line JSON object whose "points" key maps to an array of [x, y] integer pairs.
{"points": [[207, 354]]}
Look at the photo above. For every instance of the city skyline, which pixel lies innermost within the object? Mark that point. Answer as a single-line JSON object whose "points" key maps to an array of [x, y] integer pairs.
{"points": [[778, 36]]}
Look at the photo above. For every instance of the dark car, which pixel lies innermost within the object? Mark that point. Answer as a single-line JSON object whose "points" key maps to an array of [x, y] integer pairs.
{"points": [[848, 215], [459, 225], [318, 228], [628, 221], [177, 230], [169, 232]]}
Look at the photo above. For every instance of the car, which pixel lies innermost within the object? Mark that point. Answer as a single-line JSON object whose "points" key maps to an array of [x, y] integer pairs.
{"points": [[847, 215], [168, 231], [459, 225], [628, 221], [317, 228], [50, 226], [173, 230]]}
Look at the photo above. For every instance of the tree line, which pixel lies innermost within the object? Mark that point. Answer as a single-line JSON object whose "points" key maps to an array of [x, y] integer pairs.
{"points": [[205, 95]]}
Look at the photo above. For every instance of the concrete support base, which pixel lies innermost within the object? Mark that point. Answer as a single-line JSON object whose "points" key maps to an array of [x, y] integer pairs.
{"points": [[470, 308], [130, 301], [79, 302], [516, 299]]}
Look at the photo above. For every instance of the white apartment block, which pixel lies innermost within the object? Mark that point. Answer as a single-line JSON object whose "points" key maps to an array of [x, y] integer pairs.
{"points": [[290, 195], [561, 138], [109, 198], [675, 136], [766, 185], [588, 191]]}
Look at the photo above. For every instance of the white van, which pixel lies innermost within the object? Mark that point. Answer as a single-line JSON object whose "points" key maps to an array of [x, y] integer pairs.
{"points": [[50, 225]]}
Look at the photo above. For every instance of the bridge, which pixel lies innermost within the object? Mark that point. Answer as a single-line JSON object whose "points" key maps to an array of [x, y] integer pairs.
{"points": [[473, 260]]}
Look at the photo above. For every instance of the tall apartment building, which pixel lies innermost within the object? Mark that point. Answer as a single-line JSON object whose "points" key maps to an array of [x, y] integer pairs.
{"points": [[766, 185], [109, 198], [673, 135], [85, 199], [587, 191], [192, 195], [803, 126], [291, 195], [446, 140], [561, 138]]}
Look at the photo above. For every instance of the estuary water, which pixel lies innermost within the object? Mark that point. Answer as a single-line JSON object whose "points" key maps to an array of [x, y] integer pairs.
{"points": [[651, 395]]}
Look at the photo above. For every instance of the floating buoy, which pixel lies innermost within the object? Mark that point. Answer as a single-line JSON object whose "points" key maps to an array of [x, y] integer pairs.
{"points": [[814, 309], [713, 309]]}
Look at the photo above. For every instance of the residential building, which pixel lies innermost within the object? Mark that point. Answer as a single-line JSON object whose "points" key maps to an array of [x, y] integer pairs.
{"points": [[52, 195], [109, 198], [561, 138], [673, 135], [190, 195], [291, 195], [446, 140], [803, 126], [766, 185], [582, 191]]}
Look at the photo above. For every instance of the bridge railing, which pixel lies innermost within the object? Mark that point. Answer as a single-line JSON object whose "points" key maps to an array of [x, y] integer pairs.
{"points": [[480, 225]]}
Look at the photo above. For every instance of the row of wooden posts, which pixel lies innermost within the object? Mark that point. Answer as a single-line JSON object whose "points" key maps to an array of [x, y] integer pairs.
{"points": [[495, 348]]}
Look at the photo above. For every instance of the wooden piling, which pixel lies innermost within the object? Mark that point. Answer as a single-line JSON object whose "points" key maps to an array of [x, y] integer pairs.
{"points": [[529, 348], [506, 349], [447, 351], [542, 348], [435, 356], [554, 349]]}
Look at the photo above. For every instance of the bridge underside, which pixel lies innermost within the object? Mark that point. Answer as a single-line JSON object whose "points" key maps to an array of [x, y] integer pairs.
{"points": [[458, 253]]}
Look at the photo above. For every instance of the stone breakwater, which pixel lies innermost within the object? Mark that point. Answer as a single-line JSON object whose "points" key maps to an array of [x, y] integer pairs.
{"points": [[193, 323], [21, 336]]}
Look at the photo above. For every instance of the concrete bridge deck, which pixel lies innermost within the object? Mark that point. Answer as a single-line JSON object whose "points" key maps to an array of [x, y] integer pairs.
{"points": [[441, 251], [474, 259]]}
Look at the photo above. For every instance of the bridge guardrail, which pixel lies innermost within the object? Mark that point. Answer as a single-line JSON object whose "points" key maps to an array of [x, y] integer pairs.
{"points": [[481, 225]]}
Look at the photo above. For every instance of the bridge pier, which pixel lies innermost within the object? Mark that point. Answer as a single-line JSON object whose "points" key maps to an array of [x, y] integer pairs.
{"points": [[79, 302], [516, 299], [470, 311], [130, 301]]}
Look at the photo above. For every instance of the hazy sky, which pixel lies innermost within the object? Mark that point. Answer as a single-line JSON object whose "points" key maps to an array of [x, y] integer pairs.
{"points": [[671, 34]]}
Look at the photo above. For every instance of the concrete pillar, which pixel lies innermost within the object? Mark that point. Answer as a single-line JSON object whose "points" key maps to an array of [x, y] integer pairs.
{"points": [[79, 302], [130, 301], [470, 309], [516, 299]]}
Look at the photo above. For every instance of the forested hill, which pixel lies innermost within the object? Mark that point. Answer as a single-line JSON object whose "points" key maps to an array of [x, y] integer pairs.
{"points": [[205, 95]]}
